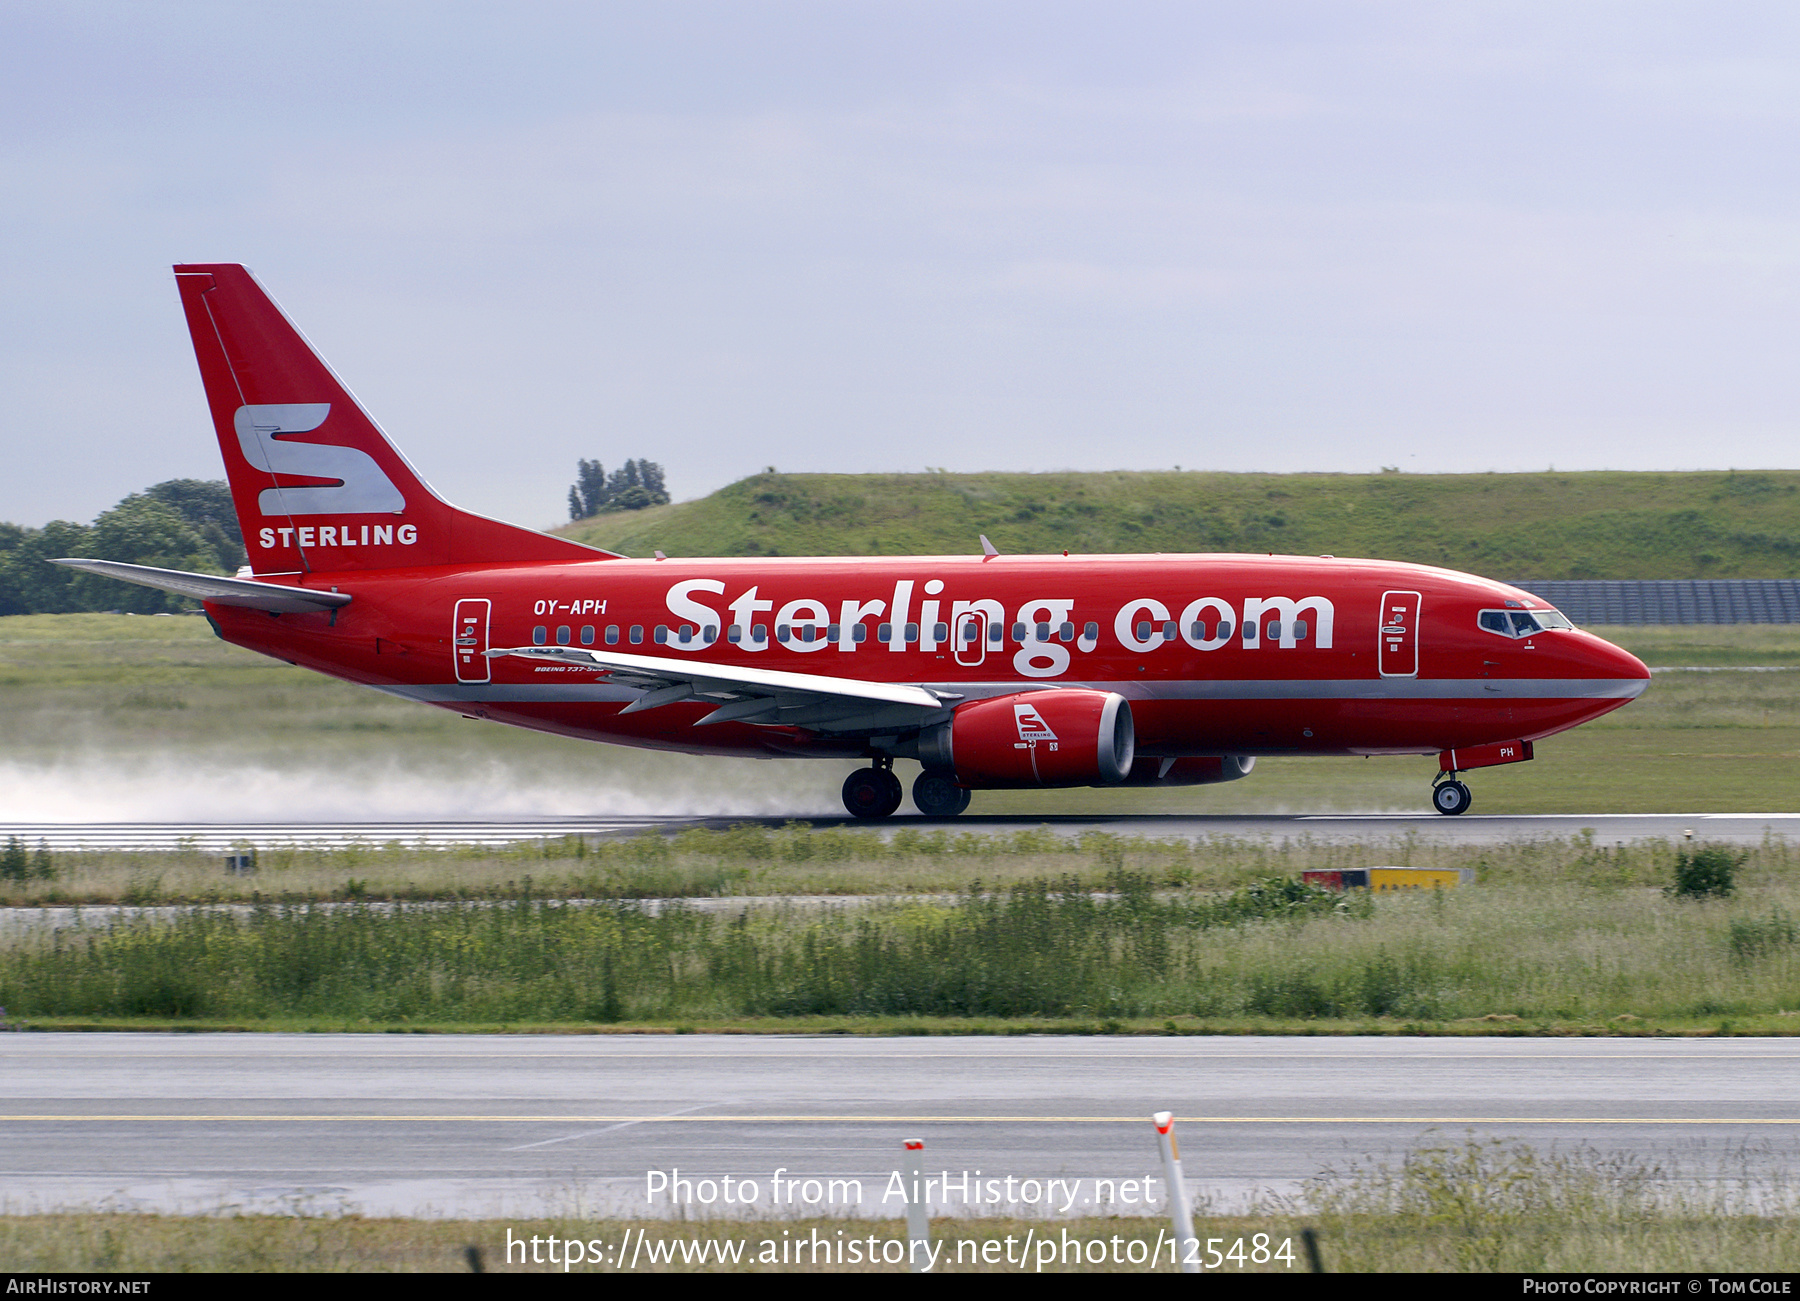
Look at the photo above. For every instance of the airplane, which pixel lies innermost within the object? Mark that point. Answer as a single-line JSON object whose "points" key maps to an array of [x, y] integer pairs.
{"points": [[991, 671]]}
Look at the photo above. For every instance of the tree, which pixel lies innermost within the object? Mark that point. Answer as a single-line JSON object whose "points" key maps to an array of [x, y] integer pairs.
{"points": [[30, 584], [180, 524], [207, 505], [633, 486], [589, 492]]}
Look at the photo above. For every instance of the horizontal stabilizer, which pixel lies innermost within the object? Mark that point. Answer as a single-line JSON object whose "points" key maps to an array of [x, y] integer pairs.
{"points": [[210, 587]]}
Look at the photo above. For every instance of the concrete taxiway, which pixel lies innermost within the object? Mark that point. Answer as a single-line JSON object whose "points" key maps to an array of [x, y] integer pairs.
{"points": [[500, 1126]]}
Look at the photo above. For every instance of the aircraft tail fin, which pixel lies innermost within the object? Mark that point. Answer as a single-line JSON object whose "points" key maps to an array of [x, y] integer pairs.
{"points": [[317, 485]]}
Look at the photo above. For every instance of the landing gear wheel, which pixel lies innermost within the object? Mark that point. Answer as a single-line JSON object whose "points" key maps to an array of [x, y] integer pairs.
{"points": [[872, 792], [937, 795], [1451, 797]]}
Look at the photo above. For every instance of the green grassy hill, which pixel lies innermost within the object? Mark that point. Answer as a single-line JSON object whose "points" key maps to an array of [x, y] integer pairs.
{"points": [[1601, 524]]}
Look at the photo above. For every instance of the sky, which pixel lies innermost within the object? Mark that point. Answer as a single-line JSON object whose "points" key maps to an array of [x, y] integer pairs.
{"points": [[843, 236]]}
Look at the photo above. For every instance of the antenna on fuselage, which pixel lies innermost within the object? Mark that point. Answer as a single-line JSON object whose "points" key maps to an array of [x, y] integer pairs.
{"points": [[988, 550]]}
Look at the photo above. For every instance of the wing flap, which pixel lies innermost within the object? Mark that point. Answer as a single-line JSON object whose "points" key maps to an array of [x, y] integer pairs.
{"points": [[768, 696]]}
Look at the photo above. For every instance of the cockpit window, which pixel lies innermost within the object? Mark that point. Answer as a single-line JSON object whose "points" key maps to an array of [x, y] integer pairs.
{"points": [[1521, 623]]}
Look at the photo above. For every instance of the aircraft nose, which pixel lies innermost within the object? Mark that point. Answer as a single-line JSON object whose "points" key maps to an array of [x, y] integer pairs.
{"points": [[1610, 661]]}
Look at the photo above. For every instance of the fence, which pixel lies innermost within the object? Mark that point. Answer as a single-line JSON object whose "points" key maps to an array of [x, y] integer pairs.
{"points": [[1689, 600]]}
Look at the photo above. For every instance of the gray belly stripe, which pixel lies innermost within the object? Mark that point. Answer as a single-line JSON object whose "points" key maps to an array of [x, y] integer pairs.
{"points": [[1347, 690]]}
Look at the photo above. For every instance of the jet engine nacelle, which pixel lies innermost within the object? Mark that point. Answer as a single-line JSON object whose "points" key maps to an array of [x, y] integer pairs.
{"points": [[1035, 738]]}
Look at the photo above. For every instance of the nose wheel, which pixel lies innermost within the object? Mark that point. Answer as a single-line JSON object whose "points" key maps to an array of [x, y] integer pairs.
{"points": [[872, 792], [1451, 796]]}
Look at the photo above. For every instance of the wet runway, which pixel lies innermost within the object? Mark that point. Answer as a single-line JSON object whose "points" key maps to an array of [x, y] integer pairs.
{"points": [[1608, 828], [516, 1125]]}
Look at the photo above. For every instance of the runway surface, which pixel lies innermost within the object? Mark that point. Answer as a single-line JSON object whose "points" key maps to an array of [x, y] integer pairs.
{"points": [[1608, 828], [512, 1126]]}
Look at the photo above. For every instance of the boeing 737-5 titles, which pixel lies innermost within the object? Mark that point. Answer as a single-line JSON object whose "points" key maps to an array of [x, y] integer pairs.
{"points": [[989, 671]]}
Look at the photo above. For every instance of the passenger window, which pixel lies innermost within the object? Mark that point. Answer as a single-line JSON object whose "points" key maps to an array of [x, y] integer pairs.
{"points": [[996, 634], [1249, 633], [734, 634], [1092, 632], [940, 632], [540, 635], [782, 633], [710, 633], [587, 634], [1169, 633], [662, 634], [1300, 629], [562, 634], [759, 633], [612, 634], [1067, 632], [686, 634], [1143, 630], [884, 632], [859, 632], [637, 633], [832, 633], [808, 632], [912, 633]]}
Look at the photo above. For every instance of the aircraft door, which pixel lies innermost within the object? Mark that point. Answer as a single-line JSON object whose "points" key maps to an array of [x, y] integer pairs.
{"points": [[469, 636], [970, 651], [1398, 650]]}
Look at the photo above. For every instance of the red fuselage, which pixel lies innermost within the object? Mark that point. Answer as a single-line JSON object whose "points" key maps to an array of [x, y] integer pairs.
{"points": [[1252, 655]]}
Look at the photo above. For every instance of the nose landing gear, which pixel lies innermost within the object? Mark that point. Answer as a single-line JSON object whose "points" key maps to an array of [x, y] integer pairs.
{"points": [[1449, 795], [873, 792]]}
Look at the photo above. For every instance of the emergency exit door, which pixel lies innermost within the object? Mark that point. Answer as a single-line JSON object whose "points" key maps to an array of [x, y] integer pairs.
{"points": [[970, 638], [469, 638], [1398, 651]]}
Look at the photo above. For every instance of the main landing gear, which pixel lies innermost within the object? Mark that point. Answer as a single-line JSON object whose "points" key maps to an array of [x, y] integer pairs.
{"points": [[937, 795], [1449, 795], [872, 792]]}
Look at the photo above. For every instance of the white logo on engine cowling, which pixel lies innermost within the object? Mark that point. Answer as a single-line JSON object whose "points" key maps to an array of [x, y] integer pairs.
{"points": [[1031, 724]]}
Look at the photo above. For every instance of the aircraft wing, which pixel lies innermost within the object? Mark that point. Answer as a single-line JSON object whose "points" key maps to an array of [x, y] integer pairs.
{"points": [[244, 592], [746, 695]]}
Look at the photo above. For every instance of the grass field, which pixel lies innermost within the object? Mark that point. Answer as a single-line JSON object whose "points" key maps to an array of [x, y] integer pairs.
{"points": [[1562, 937], [112, 717], [1586, 525]]}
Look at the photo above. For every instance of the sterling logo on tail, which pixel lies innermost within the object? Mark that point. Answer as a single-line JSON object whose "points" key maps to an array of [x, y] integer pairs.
{"points": [[1032, 726], [265, 434]]}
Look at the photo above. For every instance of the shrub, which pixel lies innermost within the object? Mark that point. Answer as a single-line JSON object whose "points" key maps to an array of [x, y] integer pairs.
{"points": [[1704, 873], [1754, 937]]}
